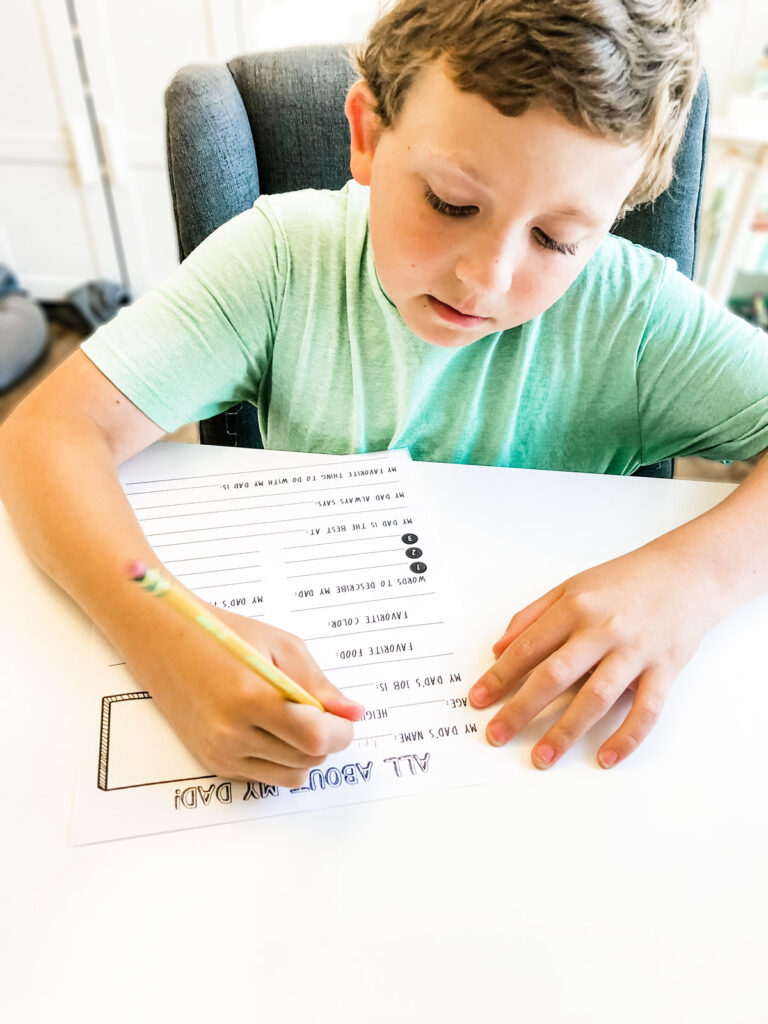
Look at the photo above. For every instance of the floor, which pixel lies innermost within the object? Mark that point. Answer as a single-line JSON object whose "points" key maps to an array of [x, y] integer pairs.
{"points": [[63, 342]]}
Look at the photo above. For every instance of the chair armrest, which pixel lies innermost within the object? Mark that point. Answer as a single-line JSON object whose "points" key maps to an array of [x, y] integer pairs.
{"points": [[211, 158]]}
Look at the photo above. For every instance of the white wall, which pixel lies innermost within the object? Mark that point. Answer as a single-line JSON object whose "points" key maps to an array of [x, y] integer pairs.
{"points": [[734, 34]]}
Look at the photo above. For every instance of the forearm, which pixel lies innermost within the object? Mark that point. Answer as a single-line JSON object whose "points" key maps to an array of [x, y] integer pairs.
{"points": [[70, 512], [725, 550]]}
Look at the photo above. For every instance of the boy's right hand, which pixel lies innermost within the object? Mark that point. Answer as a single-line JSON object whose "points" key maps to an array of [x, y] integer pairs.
{"points": [[237, 724]]}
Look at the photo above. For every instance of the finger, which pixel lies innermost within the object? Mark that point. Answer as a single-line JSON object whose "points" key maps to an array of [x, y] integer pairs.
{"points": [[295, 660], [253, 769], [547, 682], [652, 689], [304, 727], [598, 694], [264, 746], [523, 654], [521, 620]]}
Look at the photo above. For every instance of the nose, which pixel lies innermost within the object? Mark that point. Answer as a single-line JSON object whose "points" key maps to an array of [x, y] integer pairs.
{"points": [[487, 262]]}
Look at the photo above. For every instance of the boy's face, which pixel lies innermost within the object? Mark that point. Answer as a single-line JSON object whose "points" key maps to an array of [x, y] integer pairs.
{"points": [[480, 222]]}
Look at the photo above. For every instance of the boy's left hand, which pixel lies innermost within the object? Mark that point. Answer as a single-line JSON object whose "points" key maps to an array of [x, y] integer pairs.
{"points": [[631, 623]]}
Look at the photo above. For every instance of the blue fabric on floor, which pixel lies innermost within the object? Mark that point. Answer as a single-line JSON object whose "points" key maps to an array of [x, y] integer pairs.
{"points": [[23, 337]]}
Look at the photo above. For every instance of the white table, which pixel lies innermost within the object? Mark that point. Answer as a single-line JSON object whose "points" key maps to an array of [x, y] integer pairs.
{"points": [[575, 895]]}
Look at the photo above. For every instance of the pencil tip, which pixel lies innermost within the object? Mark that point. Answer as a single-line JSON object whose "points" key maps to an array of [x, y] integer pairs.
{"points": [[137, 570]]}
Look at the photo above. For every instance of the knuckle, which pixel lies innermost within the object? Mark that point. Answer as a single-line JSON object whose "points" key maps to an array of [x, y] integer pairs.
{"points": [[221, 740], [288, 643], [563, 735], [647, 711], [514, 717], [600, 693], [580, 603], [342, 736], [622, 631], [315, 741], [493, 681], [523, 647], [312, 762], [292, 778], [556, 672]]}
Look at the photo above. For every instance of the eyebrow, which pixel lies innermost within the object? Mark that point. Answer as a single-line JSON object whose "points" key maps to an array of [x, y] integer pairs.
{"points": [[454, 165], [582, 213]]}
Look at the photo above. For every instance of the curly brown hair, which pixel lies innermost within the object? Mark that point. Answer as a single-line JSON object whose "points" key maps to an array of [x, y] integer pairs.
{"points": [[625, 69]]}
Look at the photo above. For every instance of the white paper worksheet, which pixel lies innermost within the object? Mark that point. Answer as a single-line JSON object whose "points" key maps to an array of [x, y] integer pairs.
{"points": [[336, 550]]}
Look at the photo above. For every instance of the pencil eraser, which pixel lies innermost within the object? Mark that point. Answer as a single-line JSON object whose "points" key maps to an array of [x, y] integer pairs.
{"points": [[137, 570]]}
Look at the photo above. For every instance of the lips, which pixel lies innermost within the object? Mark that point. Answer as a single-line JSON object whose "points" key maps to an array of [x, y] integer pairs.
{"points": [[454, 315]]}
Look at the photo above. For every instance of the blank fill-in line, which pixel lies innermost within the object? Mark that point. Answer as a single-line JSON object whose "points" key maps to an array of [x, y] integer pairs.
{"points": [[366, 600], [220, 540], [389, 661], [352, 554], [225, 568], [269, 522], [349, 568], [266, 493], [205, 558], [341, 540], [378, 629]]}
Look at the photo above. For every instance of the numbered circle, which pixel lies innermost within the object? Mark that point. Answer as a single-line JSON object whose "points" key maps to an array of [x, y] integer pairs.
{"points": [[413, 552], [418, 567], [409, 538]]}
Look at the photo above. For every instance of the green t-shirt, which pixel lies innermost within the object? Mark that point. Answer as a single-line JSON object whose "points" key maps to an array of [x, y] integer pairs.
{"points": [[282, 307]]}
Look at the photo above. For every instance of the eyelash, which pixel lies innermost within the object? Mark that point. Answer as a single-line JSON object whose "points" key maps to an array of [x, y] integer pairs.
{"points": [[542, 238], [447, 208]]}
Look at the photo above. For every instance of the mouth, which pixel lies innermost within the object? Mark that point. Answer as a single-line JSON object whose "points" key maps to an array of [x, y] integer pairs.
{"points": [[455, 316]]}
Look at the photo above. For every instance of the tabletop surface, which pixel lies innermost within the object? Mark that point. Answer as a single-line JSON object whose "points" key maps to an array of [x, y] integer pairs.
{"points": [[573, 895]]}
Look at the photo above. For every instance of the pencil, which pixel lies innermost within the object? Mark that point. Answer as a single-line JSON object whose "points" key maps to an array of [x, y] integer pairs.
{"points": [[153, 581]]}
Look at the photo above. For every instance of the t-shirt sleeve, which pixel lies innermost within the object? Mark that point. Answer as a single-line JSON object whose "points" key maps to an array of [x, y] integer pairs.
{"points": [[202, 341], [702, 377]]}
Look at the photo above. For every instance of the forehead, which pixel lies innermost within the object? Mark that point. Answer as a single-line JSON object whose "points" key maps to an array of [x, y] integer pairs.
{"points": [[462, 135]]}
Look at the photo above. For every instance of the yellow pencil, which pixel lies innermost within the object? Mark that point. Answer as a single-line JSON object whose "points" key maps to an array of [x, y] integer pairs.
{"points": [[157, 584]]}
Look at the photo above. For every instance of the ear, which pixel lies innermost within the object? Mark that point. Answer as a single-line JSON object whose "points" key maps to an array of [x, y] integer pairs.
{"points": [[364, 129]]}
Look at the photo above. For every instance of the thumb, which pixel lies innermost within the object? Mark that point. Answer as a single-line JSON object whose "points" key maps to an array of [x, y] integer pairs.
{"points": [[343, 707], [308, 674]]}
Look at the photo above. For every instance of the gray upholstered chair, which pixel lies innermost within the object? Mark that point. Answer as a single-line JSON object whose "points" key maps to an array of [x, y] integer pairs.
{"points": [[274, 122]]}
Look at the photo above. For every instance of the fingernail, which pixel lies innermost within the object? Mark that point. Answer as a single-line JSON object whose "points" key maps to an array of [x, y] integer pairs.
{"points": [[359, 709], [544, 755], [478, 695], [608, 758], [497, 734]]}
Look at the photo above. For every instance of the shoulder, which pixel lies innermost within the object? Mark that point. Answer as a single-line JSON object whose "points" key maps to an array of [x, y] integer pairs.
{"points": [[623, 289], [315, 214], [622, 266], [279, 232]]}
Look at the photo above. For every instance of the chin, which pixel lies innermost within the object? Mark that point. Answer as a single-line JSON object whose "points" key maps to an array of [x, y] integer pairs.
{"points": [[446, 341], [440, 335], [443, 338]]}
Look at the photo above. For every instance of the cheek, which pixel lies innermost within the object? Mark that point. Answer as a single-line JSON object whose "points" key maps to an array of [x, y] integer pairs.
{"points": [[405, 241], [538, 287], [557, 274]]}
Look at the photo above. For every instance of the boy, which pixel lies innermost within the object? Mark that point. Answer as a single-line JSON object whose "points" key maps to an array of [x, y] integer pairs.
{"points": [[461, 297]]}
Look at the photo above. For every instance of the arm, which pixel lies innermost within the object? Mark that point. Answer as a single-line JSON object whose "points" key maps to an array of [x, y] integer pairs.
{"points": [[58, 456], [632, 622]]}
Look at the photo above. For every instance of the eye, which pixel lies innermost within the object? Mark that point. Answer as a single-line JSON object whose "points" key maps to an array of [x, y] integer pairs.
{"points": [[447, 208], [544, 240]]}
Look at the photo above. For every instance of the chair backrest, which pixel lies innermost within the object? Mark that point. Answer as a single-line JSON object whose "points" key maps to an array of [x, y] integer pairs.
{"points": [[274, 122]]}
